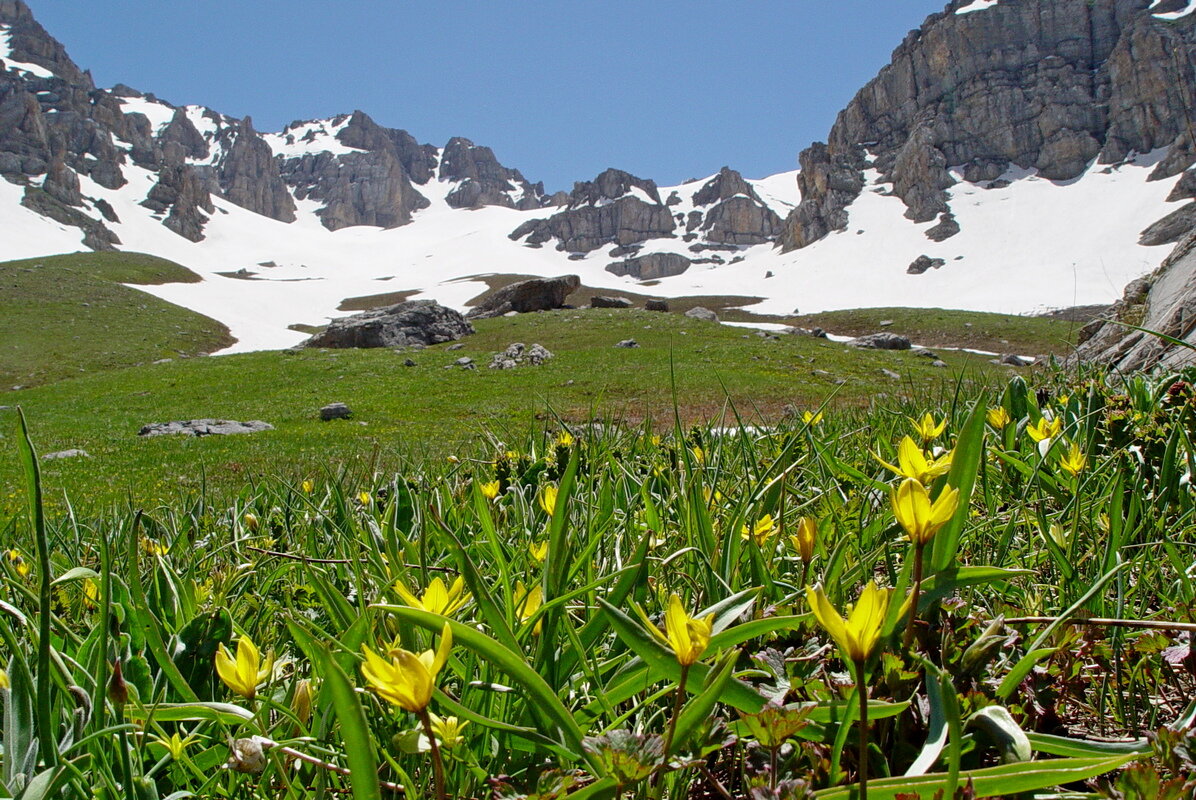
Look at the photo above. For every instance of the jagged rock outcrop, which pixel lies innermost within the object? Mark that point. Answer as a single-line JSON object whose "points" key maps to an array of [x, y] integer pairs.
{"points": [[367, 188], [181, 191], [614, 208], [484, 181], [30, 43], [1049, 85], [736, 214], [249, 175], [651, 267], [415, 322], [418, 160], [95, 234], [534, 294], [1164, 302]]}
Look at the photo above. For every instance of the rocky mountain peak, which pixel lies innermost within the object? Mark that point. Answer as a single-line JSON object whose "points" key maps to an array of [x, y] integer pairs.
{"points": [[726, 184], [1048, 86], [611, 184], [29, 43]]}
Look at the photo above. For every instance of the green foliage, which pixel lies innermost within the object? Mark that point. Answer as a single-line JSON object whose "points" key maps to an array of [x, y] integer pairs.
{"points": [[66, 316], [1033, 664]]}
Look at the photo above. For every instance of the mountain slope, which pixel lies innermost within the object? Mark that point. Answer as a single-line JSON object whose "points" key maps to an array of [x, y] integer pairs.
{"points": [[1004, 162]]}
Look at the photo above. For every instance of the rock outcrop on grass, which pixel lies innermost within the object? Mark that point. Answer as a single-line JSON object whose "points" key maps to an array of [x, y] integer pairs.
{"points": [[535, 294], [204, 427], [415, 322]]}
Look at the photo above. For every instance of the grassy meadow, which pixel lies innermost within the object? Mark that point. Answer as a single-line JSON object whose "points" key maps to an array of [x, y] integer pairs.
{"points": [[773, 572]]}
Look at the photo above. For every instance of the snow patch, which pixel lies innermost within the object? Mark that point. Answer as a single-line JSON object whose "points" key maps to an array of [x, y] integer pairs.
{"points": [[1169, 15], [314, 136], [976, 5], [36, 70], [158, 113]]}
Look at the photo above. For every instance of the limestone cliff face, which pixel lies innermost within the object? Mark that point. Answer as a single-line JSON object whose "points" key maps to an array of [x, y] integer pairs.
{"points": [[614, 208], [484, 181], [249, 175], [1044, 84]]}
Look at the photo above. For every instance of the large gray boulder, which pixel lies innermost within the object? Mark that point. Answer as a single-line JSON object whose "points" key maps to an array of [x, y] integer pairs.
{"points": [[650, 267], [415, 322], [881, 341], [534, 294]]}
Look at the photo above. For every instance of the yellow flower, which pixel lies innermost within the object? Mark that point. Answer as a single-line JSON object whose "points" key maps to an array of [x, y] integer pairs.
{"points": [[528, 603], [19, 563], [548, 499], [761, 532], [4, 683], [1074, 460], [251, 521], [364, 497], [688, 637], [565, 439], [490, 490], [448, 731], [927, 428], [91, 592], [538, 550], [452, 460], [858, 634], [1045, 429], [998, 417], [921, 518], [913, 464], [301, 701], [153, 547], [175, 745], [246, 671], [811, 419], [437, 598], [308, 487], [408, 679], [805, 538], [699, 454], [655, 440]]}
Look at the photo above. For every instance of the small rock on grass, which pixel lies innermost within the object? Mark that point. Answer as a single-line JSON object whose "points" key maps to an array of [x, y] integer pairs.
{"points": [[628, 343], [335, 411], [73, 453]]}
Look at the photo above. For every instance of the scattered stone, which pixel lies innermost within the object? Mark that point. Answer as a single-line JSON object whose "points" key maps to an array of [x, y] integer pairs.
{"points": [[656, 305], [164, 360], [517, 355], [705, 314], [938, 363], [888, 373], [882, 341], [818, 333], [335, 411], [610, 302], [821, 372], [628, 343], [922, 352], [535, 294], [947, 227], [409, 362], [884, 323], [413, 323], [923, 263], [768, 274], [650, 267], [464, 361], [456, 346], [74, 453], [1011, 360], [204, 427]]}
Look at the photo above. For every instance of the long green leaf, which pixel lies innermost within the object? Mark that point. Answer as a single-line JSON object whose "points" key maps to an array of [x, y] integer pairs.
{"points": [[355, 731], [664, 665], [969, 450], [698, 709], [1008, 779]]}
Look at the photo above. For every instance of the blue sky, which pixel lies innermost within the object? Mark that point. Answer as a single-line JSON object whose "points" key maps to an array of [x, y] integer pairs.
{"points": [[666, 89]]}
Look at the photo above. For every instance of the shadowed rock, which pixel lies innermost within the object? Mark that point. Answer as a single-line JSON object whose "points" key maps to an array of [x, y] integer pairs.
{"points": [[415, 322], [536, 294]]}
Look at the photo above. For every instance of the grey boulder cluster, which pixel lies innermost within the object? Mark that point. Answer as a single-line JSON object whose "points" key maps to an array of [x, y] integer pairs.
{"points": [[518, 355]]}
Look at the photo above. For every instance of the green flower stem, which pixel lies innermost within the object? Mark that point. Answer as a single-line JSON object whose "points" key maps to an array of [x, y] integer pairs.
{"points": [[437, 763], [862, 690], [914, 595], [678, 701]]}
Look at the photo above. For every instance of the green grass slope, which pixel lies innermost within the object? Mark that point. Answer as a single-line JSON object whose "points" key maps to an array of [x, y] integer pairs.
{"points": [[937, 327], [69, 315], [438, 409]]}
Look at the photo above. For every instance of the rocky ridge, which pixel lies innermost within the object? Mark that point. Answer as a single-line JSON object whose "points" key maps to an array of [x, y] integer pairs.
{"points": [[977, 90]]}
